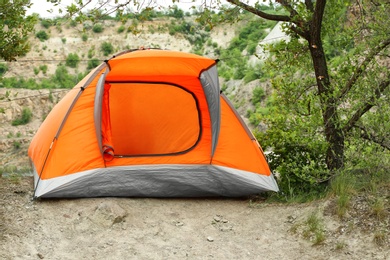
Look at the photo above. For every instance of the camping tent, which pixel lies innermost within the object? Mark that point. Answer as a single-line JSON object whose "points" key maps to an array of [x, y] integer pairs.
{"points": [[148, 123]]}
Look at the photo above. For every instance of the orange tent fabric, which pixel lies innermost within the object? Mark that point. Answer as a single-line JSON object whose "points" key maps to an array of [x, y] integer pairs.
{"points": [[148, 123]]}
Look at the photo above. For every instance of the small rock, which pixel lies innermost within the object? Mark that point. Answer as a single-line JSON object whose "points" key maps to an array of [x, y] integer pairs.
{"points": [[217, 218], [40, 256], [210, 239]]}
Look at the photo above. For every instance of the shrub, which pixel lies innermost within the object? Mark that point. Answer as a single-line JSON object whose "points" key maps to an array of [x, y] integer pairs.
{"points": [[46, 23], [17, 145], [91, 52], [93, 63], [63, 40], [84, 37], [121, 29], [176, 12], [258, 95], [43, 68], [72, 60], [24, 118], [3, 69], [42, 36], [107, 48], [97, 28]]}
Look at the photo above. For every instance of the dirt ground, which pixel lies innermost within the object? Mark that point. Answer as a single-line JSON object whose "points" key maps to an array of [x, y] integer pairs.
{"points": [[145, 228]]}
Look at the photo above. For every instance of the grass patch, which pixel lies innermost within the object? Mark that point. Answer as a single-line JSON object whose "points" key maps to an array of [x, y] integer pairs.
{"points": [[343, 187], [378, 208], [314, 229]]}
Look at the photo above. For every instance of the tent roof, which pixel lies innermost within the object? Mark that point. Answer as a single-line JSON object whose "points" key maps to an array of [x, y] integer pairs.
{"points": [[138, 64]]}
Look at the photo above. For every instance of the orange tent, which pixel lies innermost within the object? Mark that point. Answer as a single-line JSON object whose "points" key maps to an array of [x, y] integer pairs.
{"points": [[148, 123]]}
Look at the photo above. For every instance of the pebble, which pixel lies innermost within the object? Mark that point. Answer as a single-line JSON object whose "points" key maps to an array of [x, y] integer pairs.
{"points": [[210, 239]]}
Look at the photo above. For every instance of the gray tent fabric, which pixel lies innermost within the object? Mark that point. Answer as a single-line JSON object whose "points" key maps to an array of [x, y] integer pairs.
{"points": [[98, 108], [210, 83], [158, 181]]}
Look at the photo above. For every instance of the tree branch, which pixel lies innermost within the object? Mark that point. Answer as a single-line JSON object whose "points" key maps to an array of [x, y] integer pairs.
{"points": [[361, 69], [382, 141], [316, 25], [366, 106], [251, 9]]}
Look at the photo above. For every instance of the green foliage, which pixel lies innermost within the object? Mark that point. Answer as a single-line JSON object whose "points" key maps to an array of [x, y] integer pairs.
{"points": [[63, 40], [91, 52], [93, 63], [73, 23], [314, 229], [295, 135], [72, 60], [3, 69], [193, 32], [24, 118], [106, 48], [98, 28], [121, 29], [258, 95], [176, 12], [15, 27], [16, 145], [42, 35], [43, 68], [46, 23], [61, 79], [235, 64], [84, 37]]}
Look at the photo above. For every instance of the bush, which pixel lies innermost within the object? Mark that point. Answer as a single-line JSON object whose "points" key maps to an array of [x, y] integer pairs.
{"points": [[97, 28], [176, 12], [72, 60], [43, 68], [84, 37], [91, 52], [107, 48], [46, 23], [42, 36], [3, 69], [24, 118], [121, 29], [258, 95], [93, 63]]}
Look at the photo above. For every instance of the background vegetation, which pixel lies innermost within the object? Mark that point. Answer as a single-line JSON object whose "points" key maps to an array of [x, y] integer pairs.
{"points": [[294, 138]]}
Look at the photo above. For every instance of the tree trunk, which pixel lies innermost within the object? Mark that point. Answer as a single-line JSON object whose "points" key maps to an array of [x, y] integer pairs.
{"points": [[333, 132]]}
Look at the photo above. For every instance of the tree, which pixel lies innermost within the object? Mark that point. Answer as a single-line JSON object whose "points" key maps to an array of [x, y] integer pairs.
{"points": [[305, 20], [345, 45], [15, 27]]}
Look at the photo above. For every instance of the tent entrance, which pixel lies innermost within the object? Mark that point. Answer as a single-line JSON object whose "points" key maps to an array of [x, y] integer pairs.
{"points": [[152, 119]]}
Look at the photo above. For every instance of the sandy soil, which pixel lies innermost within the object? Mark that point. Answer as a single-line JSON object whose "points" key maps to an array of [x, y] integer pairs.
{"points": [[144, 228]]}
